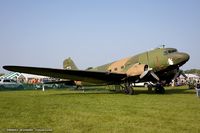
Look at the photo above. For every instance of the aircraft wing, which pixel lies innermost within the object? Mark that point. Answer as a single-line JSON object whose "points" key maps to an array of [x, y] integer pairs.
{"points": [[79, 75]]}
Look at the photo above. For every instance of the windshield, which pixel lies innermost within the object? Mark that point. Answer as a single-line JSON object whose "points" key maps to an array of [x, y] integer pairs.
{"points": [[169, 51]]}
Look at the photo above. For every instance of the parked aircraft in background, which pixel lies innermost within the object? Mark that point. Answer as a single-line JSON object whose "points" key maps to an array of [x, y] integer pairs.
{"points": [[160, 65]]}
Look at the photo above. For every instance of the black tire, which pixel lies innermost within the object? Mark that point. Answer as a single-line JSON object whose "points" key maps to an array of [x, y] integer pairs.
{"points": [[129, 91], [126, 91], [160, 89]]}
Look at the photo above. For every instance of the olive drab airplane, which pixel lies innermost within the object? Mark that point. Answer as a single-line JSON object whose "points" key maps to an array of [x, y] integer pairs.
{"points": [[159, 66]]}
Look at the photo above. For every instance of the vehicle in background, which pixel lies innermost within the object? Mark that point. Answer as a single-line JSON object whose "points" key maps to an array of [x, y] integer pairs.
{"points": [[48, 86], [10, 84], [144, 84]]}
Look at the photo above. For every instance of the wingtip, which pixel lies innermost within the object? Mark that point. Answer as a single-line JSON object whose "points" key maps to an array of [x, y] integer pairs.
{"points": [[6, 67], [12, 68]]}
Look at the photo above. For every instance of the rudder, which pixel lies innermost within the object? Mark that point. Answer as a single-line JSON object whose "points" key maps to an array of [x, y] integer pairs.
{"points": [[69, 64]]}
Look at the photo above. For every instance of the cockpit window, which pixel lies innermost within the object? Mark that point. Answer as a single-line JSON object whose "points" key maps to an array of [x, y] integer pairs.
{"points": [[170, 51]]}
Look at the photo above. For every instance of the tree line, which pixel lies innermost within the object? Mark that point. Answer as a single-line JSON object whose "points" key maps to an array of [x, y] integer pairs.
{"points": [[193, 71]]}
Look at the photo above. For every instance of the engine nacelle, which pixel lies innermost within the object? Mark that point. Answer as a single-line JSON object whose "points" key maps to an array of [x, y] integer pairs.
{"points": [[137, 69]]}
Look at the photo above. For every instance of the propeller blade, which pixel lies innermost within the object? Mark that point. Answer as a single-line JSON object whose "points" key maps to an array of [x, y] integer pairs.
{"points": [[144, 74], [154, 75], [147, 72]]}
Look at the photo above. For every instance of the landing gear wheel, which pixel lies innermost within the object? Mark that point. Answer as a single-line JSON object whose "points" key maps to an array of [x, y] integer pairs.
{"points": [[159, 89], [128, 90]]}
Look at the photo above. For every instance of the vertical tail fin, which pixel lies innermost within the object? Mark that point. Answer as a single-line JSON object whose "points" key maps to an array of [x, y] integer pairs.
{"points": [[69, 64]]}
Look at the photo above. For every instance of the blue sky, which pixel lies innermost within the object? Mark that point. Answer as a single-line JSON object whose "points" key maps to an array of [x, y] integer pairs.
{"points": [[94, 32]]}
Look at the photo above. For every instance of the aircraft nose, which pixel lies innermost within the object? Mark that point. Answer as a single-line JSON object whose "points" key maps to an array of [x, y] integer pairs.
{"points": [[185, 56], [181, 58]]}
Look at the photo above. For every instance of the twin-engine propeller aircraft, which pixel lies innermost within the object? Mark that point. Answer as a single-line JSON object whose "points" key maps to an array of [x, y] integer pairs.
{"points": [[160, 65]]}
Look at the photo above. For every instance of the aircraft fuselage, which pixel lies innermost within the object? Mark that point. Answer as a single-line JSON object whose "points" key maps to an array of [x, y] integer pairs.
{"points": [[164, 61]]}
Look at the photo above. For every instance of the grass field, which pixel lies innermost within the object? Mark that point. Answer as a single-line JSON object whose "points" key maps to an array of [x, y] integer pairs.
{"points": [[100, 111]]}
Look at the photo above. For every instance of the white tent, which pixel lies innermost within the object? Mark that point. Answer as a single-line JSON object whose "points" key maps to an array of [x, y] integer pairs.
{"points": [[190, 76]]}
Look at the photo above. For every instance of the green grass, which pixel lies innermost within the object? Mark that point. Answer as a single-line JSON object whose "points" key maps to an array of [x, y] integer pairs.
{"points": [[101, 111]]}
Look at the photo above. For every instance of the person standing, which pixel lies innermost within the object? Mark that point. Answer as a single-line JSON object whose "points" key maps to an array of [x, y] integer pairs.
{"points": [[198, 89]]}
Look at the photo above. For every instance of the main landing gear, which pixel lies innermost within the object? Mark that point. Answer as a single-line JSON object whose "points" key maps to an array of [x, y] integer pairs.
{"points": [[127, 88], [159, 89]]}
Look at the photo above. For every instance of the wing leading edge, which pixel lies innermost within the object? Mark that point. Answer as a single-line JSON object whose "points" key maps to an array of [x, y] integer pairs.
{"points": [[80, 75]]}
